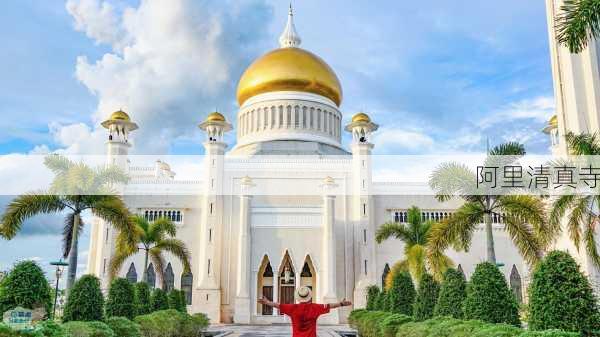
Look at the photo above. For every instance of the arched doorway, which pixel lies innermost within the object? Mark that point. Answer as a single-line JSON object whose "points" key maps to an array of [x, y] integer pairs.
{"points": [[515, 284], [265, 285], [308, 276], [287, 281]]}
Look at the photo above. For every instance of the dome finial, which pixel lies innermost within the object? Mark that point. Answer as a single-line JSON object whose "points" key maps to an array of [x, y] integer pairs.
{"points": [[289, 37]]}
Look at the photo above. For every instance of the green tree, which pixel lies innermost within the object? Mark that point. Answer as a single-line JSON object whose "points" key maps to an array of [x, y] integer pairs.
{"points": [[578, 22], [414, 234], [176, 300], [76, 188], [560, 296], [523, 215], [426, 299], [401, 295], [452, 295], [25, 286], [121, 299], [160, 300], [581, 221], [143, 298], [372, 294], [488, 297], [380, 301], [85, 301], [154, 239]]}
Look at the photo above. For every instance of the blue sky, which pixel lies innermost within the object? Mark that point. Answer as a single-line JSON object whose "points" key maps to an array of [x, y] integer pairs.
{"points": [[438, 76]]}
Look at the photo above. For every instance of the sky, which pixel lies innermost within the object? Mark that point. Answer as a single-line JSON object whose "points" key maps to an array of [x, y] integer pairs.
{"points": [[439, 77]]}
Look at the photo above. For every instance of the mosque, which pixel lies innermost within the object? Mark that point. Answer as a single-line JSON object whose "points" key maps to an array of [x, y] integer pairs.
{"points": [[288, 205]]}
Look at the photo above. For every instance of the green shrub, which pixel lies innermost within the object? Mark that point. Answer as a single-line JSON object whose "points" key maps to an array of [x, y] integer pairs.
{"points": [[123, 327], [388, 326], [355, 316], [159, 300], [6, 331], [380, 301], [85, 301], [419, 329], [88, 329], [488, 297], [372, 294], [550, 333], [176, 300], [121, 299], [171, 323], [453, 292], [193, 325], [50, 328], [442, 327], [401, 295], [498, 330], [25, 286], [366, 322], [560, 296], [426, 298], [143, 302]]}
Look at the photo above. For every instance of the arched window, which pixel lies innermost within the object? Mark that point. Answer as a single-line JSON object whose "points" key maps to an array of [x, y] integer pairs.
{"points": [[386, 271], [460, 269], [169, 278], [131, 274], [515, 284], [305, 271], [186, 286], [151, 278]]}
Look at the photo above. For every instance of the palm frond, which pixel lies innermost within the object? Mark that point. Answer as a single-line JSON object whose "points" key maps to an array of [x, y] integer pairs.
{"points": [[178, 249], [452, 179], [396, 230], [589, 238], [58, 164], [158, 261], [116, 262], [584, 144], [508, 149], [68, 230], [416, 256], [578, 22], [398, 267], [112, 210], [577, 219], [559, 208], [531, 210], [26, 206], [160, 227], [523, 237]]}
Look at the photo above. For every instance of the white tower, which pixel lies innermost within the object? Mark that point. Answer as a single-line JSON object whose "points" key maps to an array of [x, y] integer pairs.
{"points": [[117, 147], [209, 263], [361, 128]]}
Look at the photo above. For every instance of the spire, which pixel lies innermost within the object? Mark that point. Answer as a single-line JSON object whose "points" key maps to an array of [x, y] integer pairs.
{"points": [[289, 37]]}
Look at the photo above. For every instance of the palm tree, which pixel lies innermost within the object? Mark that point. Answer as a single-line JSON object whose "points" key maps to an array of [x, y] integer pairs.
{"points": [[523, 215], [154, 238], [76, 188], [414, 234], [583, 217], [578, 22]]}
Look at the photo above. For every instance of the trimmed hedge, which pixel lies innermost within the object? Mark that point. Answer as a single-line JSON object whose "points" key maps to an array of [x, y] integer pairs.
{"points": [[121, 299], [488, 297], [560, 296], [176, 299], [143, 302], [124, 327], [25, 286], [159, 300], [171, 323], [401, 295], [85, 301], [372, 294], [453, 292], [550, 333], [88, 329], [426, 298], [388, 326]]}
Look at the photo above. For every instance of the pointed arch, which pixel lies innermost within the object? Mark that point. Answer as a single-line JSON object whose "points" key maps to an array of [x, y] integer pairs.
{"points": [[308, 275], [187, 279], [151, 278], [287, 279], [460, 269], [265, 284], [169, 278], [131, 274], [516, 284], [386, 271]]}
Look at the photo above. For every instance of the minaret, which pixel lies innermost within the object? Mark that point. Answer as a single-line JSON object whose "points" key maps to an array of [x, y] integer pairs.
{"points": [[102, 240], [289, 37], [209, 264], [361, 128]]}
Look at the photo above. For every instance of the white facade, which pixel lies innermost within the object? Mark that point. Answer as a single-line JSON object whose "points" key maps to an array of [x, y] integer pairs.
{"points": [[287, 206]]}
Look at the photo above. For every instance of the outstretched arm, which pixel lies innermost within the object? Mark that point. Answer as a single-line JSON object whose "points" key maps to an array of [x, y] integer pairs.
{"points": [[343, 303], [266, 302]]}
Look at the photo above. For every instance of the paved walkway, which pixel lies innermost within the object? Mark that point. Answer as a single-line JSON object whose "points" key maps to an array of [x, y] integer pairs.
{"points": [[275, 330]]}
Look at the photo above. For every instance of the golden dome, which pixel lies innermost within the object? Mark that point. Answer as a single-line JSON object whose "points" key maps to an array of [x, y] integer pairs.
{"points": [[215, 117], [289, 69], [120, 115], [553, 121], [361, 117]]}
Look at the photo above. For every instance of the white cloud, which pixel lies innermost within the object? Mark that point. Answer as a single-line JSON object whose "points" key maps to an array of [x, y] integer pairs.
{"points": [[98, 20], [539, 109], [395, 138]]}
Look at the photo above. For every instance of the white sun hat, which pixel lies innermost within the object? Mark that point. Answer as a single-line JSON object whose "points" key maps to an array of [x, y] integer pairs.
{"points": [[303, 294]]}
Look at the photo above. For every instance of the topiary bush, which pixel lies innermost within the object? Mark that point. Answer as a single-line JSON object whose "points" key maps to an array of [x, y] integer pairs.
{"points": [[25, 286], [488, 297], [560, 296], [176, 300], [426, 298], [453, 292], [123, 327], [88, 329], [50, 328], [401, 295], [143, 302], [171, 323], [121, 299], [380, 301], [550, 333], [159, 300], [498, 330], [372, 293], [85, 301], [388, 325]]}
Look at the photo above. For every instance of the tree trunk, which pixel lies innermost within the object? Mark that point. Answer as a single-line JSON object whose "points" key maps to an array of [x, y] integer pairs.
{"points": [[145, 273], [72, 271], [491, 252]]}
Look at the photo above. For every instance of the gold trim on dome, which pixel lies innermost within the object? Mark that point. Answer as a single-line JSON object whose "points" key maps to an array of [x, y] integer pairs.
{"points": [[215, 117], [289, 69], [361, 117], [120, 115]]}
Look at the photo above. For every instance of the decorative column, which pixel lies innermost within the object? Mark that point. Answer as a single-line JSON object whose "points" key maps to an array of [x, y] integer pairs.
{"points": [[242, 297], [275, 290], [329, 256]]}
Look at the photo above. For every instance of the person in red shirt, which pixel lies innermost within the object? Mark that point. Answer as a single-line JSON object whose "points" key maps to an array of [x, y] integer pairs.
{"points": [[304, 314]]}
